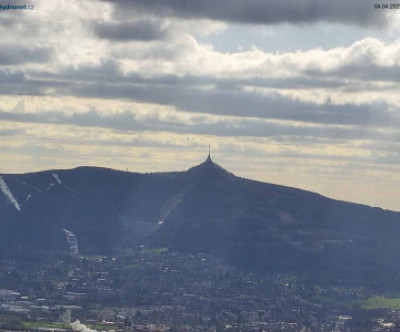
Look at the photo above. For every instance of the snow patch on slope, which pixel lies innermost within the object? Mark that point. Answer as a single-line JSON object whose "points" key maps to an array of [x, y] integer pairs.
{"points": [[29, 185], [72, 241], [72, 190], [50, 186], [10, 197], [55, 176]]}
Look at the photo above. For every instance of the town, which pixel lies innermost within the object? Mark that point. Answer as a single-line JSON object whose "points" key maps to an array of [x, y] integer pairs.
{"points": [[158, 290]]}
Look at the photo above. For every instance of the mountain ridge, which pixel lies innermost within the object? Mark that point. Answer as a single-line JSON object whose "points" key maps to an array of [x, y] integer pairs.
{"points": [[86, 167], [253, 224]]}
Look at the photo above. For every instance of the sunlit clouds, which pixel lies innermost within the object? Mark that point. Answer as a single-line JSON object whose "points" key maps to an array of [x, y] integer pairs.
{"points": [[144, 86]]}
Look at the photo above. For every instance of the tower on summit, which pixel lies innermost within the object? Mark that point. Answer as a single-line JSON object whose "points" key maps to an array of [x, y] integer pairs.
{"points": [[209, 154]]}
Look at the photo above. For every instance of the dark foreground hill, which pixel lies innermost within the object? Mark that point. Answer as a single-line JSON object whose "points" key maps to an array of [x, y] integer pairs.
{"points": [[256, 225]]}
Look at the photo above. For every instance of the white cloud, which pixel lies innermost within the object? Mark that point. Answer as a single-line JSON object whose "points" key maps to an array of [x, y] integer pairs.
{"points": [[88, 83]]}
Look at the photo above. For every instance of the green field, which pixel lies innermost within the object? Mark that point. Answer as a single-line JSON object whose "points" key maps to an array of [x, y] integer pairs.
{"points": [[31, 324], [375, 302], [380, 302], [157, 251]]}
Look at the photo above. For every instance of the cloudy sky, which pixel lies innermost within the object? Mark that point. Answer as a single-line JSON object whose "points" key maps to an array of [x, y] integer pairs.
{"points": [[303, 93]]}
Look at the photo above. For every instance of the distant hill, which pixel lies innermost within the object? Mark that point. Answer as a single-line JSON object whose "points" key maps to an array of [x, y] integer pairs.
{"points": [[256, 225]]}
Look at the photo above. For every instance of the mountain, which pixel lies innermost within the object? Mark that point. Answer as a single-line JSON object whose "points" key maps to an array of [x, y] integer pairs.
{"points": [[255, 225]]}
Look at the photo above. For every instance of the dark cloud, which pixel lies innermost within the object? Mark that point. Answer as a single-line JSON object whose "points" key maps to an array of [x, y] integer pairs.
{"points": [[11, 77], [203, 94], [128, 122], [11, 54], [122, 121], [189, 94], [16, 82], [296, 82], [109, 70], [358, 12], [140, 30], [241, 103]]}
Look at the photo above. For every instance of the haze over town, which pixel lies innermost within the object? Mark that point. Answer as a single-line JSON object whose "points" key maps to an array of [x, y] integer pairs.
{"points": [[300, 93]]}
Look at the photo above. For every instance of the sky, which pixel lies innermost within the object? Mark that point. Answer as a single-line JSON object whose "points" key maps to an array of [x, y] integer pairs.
{"points": [[303, 93]]}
